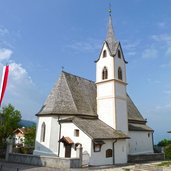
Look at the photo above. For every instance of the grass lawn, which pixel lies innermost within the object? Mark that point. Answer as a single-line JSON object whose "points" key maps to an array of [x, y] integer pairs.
{"points": [[167, 164]]}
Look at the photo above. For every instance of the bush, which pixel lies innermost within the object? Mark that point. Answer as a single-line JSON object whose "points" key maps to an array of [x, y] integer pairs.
{"points": [[167, 151]]}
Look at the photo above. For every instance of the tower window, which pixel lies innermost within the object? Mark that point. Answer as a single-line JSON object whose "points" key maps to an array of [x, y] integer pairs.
{"points": [[43, 132], [119, 54], [119, 73], [108, 153], [104, 53], [104, 73], [76, 132]]}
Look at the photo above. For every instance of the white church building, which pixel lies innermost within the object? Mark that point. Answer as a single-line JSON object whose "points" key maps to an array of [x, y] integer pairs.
{"points": [[100, 116]]}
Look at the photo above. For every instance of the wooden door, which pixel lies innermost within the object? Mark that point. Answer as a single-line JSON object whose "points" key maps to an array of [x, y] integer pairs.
{"points": [[68, 150]]}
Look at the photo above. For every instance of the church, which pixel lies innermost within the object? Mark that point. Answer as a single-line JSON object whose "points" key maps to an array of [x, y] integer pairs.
{"points": [[98, 116]]}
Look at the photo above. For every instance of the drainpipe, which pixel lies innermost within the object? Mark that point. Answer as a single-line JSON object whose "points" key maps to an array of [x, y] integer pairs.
{"points": [[153, 140], [59, 136], [114, 151]]}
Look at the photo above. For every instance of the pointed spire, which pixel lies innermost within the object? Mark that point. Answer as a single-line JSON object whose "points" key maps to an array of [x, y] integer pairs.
{"points": [[110, 37]]}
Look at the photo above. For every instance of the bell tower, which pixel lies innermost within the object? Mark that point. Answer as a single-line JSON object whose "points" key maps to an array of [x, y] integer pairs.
{"points": [[111, 83]]}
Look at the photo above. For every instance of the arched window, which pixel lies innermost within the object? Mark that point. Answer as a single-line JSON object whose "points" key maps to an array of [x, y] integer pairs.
{"points": [[119, 73], [104, 53], [119, 54], [43, 132], [108, 153], [104, 73]]}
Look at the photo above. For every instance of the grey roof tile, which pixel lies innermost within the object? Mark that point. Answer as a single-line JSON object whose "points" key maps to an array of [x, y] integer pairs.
{"points": [[139, 127], [97, 129], [73, 95]]}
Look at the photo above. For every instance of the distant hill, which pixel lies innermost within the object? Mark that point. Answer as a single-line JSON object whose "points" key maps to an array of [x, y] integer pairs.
{"points": [[26, 123]]}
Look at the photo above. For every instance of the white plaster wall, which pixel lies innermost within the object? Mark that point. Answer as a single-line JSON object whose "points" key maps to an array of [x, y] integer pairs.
{"points": [[121, 151], [121, 115], [120, 90], [68, 131], [54, 135], [99, 158], [105, 89], [119, 62], [108, 61], [140, 142], [43, 148], [120, 154], [106, 111]]}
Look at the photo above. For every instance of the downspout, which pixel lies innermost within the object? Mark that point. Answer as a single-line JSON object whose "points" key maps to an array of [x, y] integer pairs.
{"points": [[114, 151], [59, 136], [153, 140]]}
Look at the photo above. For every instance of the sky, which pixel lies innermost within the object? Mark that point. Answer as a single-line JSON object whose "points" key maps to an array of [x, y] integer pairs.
{"points": [[38, 38]]}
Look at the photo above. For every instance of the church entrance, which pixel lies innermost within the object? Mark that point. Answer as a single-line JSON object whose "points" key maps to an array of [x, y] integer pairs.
{"points": [[67, 144], [67, 150]]}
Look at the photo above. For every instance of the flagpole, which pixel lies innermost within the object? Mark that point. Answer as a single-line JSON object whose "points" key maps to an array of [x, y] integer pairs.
{"points": [[4, 81]]}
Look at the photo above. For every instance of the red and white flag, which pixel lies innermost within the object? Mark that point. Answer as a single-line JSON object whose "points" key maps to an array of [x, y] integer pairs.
{"points": [[4, 82]]}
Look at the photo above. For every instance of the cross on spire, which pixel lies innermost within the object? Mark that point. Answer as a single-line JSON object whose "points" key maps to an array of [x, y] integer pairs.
{"points": [[110, 8]]}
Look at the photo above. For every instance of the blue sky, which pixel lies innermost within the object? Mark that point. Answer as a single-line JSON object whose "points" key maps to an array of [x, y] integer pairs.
{"points": [[38, 37]]}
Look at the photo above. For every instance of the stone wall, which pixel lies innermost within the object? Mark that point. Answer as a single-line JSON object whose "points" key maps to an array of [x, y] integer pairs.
{"points": [[145, 157], [54, 162]]}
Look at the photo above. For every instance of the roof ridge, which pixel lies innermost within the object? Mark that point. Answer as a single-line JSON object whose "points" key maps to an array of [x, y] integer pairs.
{"points": [[78, 76]]}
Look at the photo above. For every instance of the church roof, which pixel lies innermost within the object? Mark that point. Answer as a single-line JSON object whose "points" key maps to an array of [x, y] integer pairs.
{"points": [[139, 127], [110, 38], [111, 41], [133, 112], [97, 129], [71, 95]]}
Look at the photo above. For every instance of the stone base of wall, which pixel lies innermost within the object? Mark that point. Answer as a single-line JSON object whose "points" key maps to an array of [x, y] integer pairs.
{"points": [[147, 167], [145, 157], [55, 162]]}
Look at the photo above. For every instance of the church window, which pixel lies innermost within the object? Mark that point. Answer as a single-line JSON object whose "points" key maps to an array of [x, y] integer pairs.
{"points": [[98, 145], [119, 54], [148, 135], [119, 73], [76, 132], [104, 73], [43, 132], [104, 53], [108, 153]]}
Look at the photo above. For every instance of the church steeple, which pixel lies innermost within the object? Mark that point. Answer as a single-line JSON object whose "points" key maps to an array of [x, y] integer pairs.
{"points": [[110, 37]]}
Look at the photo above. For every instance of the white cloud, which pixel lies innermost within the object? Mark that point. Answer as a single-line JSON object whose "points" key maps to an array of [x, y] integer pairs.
{"points": [[162, 24], [163, 108], [18, 72], [167, 92], [150, 53], [131, 47], [86, 45], [3, 31], [168, 64], [21, 91], [5, 54], [164, 41]]}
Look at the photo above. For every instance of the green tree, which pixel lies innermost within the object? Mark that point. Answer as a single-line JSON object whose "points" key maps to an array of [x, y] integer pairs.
{"points": [[30, 135], [164, 143], [9, 121]]}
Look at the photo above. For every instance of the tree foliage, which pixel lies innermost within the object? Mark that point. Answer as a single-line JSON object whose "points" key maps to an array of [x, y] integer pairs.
{"points": [[9, 121], [30, 135], [164, 143]]}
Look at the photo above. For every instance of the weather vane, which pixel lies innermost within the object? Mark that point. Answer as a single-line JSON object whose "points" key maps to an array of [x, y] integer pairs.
{"points": [[110, 8], [62, 68]]}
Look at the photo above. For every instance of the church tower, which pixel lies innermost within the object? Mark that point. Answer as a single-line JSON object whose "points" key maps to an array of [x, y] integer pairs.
{"points": [[111, 83]]}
